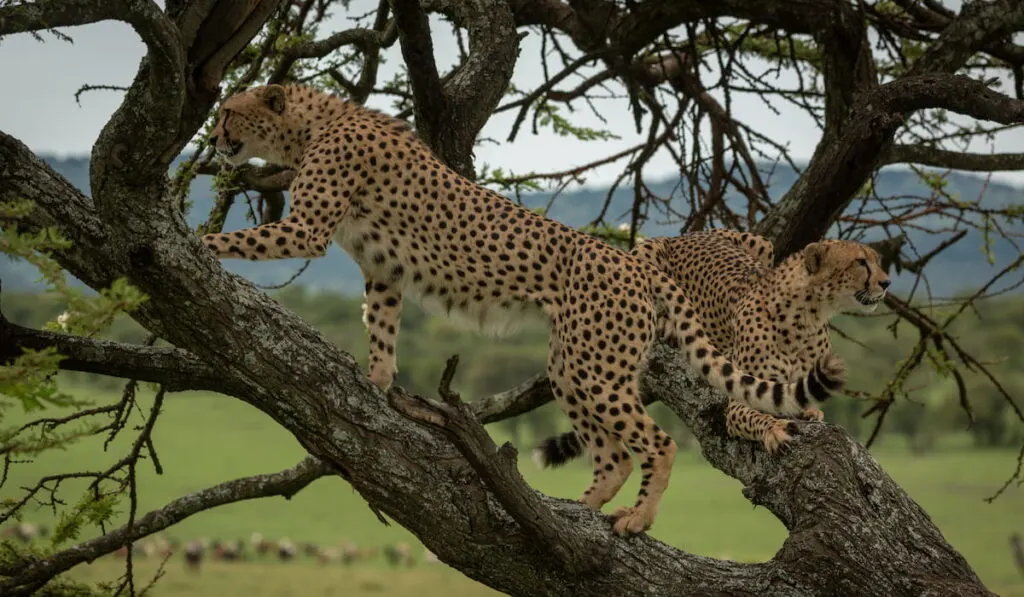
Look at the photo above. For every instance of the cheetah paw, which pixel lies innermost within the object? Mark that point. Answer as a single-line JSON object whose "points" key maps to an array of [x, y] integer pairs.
{"points": [[631, 520], [381, 380], [592, 501], [779, 433]]}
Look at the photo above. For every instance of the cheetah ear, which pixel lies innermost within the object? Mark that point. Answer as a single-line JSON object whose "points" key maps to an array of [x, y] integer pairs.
{"points": [[273, 97], [814, 254]]}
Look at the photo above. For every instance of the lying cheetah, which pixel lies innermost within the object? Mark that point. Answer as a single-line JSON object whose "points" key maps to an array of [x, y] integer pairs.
{"points": [[416, 227], [772, 322]]}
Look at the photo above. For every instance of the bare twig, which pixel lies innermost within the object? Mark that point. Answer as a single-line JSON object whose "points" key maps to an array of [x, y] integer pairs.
{"points": [[27, 575]]}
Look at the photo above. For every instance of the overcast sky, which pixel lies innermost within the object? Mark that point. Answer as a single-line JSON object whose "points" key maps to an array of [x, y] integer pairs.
{"points": [[40, 80]]}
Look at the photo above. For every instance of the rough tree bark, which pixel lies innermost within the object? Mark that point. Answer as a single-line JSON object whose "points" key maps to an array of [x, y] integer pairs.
{"points": [[853, 531]]}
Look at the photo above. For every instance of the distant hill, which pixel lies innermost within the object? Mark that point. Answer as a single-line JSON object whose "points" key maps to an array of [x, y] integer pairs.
{"points": [[961, 267]]}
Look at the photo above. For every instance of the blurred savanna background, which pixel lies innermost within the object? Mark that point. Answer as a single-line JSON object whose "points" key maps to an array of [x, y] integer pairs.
{"points": [[626, 120]]}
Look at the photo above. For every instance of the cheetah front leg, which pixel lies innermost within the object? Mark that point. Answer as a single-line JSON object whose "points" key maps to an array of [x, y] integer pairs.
{"points": [[744, 422], [277, 240], [382, 309]]}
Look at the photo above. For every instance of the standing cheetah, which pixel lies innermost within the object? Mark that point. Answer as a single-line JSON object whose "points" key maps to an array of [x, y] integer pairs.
{"points": [[771, 322], [416, 227]]}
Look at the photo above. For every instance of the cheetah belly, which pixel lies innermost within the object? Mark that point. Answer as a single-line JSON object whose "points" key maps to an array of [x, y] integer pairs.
{"points": [[495, 319], [441, 292]]}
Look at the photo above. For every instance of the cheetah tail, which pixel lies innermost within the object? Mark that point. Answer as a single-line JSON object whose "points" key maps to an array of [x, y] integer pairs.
{"points": [[827, 377], [681, 324], [556, 451]]}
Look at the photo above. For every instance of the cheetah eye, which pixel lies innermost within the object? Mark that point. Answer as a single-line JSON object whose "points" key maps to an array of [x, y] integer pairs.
{"points": [[863, 261]]}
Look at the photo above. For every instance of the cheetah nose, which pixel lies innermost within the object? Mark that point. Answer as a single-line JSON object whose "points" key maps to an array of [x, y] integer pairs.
{"points": [[885, 284]]}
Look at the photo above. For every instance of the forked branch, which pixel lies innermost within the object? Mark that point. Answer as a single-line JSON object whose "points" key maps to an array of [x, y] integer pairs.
{"points": [[498, 469]]}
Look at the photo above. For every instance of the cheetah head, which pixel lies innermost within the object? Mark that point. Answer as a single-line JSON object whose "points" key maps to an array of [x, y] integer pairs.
{"points": [[848, 272], [246, 123]]}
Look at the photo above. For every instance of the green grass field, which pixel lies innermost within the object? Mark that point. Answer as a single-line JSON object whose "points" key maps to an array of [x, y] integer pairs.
{"points": [[203, 440]]}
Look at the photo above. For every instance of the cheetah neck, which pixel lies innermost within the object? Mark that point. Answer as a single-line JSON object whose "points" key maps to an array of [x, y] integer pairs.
{"points": [[310, 115], [804, 307]]}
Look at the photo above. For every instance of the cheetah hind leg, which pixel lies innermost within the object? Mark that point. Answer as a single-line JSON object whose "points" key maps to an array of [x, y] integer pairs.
{"points": [[612, 466], [657, 452], [746, 423]]}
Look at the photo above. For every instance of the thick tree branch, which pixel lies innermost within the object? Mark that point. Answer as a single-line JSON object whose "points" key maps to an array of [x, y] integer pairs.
{"points": [[555, 14], [959, 94], [177, 370], [224, 32], [978, 25], [954, 160], [450, 115], [476, 85], [848, 68], [26, 576], [846, 502], [144, 16], [431, 105], [839, 168]]}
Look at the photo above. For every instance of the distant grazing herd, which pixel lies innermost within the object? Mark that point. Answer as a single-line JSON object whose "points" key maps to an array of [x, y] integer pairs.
{"points": [[256, 549]]}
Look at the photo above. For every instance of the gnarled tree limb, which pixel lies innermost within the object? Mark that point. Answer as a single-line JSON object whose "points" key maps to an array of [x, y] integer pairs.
{"points": [[840, 165], [450, 115], [176, 369]]}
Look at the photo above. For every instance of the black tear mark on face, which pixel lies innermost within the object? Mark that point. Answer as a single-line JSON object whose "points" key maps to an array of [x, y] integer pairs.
{"points": [[867, 272]]}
